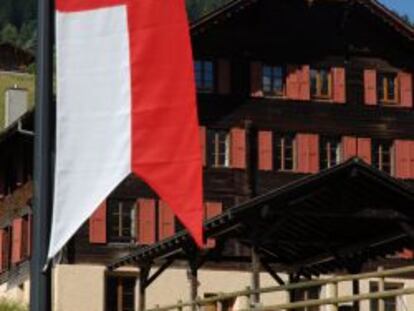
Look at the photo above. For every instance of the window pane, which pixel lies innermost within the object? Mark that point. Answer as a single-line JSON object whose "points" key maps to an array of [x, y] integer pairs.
{"points": [[314, 82], [324, 82]]}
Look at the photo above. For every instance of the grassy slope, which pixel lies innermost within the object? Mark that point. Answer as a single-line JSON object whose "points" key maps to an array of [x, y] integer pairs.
{"points": [[9, 80]]}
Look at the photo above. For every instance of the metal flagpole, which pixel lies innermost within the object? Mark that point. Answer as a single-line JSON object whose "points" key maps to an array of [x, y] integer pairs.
{"points": [[40, 290]]}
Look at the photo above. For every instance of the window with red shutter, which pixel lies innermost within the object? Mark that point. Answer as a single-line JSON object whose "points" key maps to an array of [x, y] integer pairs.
{"points": [[98, 225], [224, 76], [218, 151], [256, 79], [146, 234], [339, 82], [406, 89], [285, 152], [17, 241], [349, 147], [166, 221], [364, 149], [203, 137], [238, 148], [330, 152], [370, 86], [382, 156], [273, 81], [265, 150]]}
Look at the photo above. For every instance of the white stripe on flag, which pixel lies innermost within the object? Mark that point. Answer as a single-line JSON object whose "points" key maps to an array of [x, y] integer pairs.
{"points": [[93, 115]]}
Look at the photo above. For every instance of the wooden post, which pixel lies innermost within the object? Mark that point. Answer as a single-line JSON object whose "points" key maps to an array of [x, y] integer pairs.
{"points": [[143, 278], [255, 268], [193, 278], [332, 292], [355, 291], [381, 288]]}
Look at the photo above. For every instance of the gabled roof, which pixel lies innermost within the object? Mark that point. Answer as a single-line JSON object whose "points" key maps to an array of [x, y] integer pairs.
{"points": [[318, 224], [236, 6]]}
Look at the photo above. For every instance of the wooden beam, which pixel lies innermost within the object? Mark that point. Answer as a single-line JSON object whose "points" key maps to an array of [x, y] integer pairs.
{"points": [[255, 270], [144, 271], [272, 272], [160, 270]]}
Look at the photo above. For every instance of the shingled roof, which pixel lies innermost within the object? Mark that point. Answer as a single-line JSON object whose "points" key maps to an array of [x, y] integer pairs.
{"points": [[235, 7]]}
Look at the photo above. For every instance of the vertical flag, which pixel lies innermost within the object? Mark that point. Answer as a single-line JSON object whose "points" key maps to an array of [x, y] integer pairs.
{"points": [[125, 104]]}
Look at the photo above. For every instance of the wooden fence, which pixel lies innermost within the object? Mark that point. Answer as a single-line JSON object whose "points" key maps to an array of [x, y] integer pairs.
{"points": [[332, 301]]}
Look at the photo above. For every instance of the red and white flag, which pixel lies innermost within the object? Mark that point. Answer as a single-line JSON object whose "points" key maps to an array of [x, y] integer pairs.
{"points": [[125, 104]]}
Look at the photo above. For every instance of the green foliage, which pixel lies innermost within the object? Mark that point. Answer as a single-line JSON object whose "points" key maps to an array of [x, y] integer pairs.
{"points": [[9, 34], [6, 305]]}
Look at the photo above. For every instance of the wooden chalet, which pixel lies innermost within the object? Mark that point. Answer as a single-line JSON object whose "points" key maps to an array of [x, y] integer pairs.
{"points": [[293, 95]]}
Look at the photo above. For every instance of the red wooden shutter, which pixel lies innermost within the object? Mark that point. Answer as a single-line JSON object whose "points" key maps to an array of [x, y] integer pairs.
{"points": [[411, 159], [304, 83], [265, 149], [406, 254], [256, 79], [224, 76], [302, 153], [370, 85], [4, 254], [313, 153], [292, 82], [238, 148], [402, 159], [364, 149], [146, 222], [406, 89], [166, 222], [17, 241], [349, 147], [97, 225], [25, 236], [308, 153], [203, 137], [213, 209], [339, 85], [29, 235]]}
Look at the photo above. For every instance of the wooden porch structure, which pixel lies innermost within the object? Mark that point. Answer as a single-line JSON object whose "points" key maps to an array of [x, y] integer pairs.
{"points": [[334, 221]]}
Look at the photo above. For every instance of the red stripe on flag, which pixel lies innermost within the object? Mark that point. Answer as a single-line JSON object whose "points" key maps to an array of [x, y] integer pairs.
{"points": [[165, 135], [85, 5]]}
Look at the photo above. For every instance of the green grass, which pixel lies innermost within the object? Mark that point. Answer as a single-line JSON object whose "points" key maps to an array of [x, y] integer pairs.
{"points": [[7, 305], [9, 80]]}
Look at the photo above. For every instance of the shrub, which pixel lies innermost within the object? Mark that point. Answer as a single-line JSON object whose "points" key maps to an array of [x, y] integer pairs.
{"points": [[7, 305]]}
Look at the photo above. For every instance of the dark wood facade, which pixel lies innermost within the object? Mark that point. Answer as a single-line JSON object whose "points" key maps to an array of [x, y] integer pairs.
{"points": [[354, 36], [325, 34]]}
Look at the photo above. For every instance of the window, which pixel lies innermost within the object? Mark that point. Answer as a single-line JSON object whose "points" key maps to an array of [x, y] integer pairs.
{"points": [[387, 86], [382, 156], [330, 152], [307, 294], [390, 303], [120, 293], [321, 83], [218, 148], [204, 75], [273, 80], [285, 152], [121, 216]]}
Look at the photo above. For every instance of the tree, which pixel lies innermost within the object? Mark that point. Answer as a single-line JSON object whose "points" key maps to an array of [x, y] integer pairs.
{"points": [[9, 34]]}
